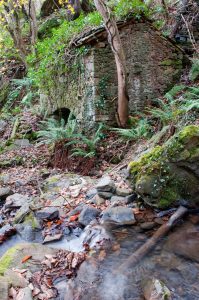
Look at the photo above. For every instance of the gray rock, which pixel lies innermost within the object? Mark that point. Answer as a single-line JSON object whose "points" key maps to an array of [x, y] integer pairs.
{"points": [[105, 195], [98, 200], [119, 215], [29, 233], [48, 213], [106, 184], [21, 213], [147, 225], [118, 199], [23, 143], [91, 193], [131, 198], [25, 294], [155, 289], [15, 279], [4, 193], [88, 214], [16, 201], [123, 192], [77, 210], [4, 178], [4, 286], [52, 238]]}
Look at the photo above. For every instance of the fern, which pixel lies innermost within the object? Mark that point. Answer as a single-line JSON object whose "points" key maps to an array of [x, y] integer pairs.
{"points": [[87, 147], [136, 133], [194, 72], [56, 131]]}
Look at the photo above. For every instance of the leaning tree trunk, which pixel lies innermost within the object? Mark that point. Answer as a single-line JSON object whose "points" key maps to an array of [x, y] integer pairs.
{"points": [[118, 51]]}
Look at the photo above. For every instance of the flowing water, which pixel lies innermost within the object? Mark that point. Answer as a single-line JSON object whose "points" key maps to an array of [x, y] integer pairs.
{"points": [[99, 279]]}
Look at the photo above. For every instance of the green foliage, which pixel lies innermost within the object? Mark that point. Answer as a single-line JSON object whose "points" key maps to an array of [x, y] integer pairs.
{"points": [[194, 72], [17, 85], [49, 57], [134, 133], [135, 7], [173, 107], [53, 131], [88, 147]]}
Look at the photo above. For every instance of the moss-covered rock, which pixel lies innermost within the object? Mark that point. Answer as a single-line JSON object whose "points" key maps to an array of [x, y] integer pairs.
{"points": [[169, 173]]}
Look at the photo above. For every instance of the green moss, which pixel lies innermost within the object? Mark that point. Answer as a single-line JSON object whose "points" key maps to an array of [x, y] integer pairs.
{"points": [[30, 219], [7, 258], [188, 132], [171, 62], [168, 197]]}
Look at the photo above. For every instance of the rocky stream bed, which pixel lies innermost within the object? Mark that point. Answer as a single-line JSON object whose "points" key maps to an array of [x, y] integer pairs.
{"points": [[69, 242]]}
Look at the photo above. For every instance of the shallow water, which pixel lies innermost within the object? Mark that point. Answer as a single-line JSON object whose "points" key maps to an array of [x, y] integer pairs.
{"points": [[101, 281], [99, 275]]}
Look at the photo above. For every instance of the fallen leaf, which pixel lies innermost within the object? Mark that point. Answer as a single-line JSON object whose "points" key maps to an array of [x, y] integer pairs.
{"points": [[74, 218], [27, 257]]}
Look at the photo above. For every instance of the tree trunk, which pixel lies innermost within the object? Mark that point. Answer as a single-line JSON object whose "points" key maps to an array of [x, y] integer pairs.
{"points": [[33, 22], [118, 51]]}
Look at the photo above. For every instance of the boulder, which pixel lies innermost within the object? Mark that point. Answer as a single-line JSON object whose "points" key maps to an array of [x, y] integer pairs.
{"points": [[119, 215], [14, 256], [169, 174], [105, 195], [106, 184], [88, 214], [22, 212], [154, 289], [184, 242], [48, 213], [4, 193], [15, 201]]}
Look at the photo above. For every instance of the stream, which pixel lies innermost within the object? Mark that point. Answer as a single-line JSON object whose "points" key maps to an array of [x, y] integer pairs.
{"points": [[98, 279]]}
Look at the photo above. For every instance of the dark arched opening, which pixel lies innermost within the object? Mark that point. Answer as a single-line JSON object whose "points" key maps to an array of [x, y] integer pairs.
{"points": [[62, 113]]}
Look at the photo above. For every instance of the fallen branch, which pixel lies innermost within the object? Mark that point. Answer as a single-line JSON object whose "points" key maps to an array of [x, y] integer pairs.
{"points": [[135, 258]]}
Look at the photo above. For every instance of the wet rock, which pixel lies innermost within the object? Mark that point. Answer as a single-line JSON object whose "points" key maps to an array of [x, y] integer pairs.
{"points": [[15, 201], [106, 184], [7, 230], [22, 143], [97, 237], [120, 215], [156, 290], [13, 257], [123, 192], [48, 213], [4, 287], [105, 195], [88, 214], [4, 193], [52, 238], [147, 225], [28, 232], [25, 294], [15, 279], [185, 242]]}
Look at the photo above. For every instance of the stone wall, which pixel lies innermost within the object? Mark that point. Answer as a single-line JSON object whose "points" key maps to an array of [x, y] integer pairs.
{"points": [[153, 63]]}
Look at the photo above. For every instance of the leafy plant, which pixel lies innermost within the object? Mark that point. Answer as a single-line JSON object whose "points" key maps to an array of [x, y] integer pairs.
{"points": [[54, 131], [134, 133], [194, 72], [88, 147]]}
